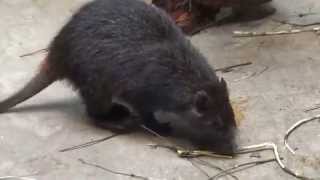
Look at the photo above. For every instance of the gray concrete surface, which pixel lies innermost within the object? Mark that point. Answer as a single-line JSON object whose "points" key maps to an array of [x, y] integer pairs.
{"points": [[271, 94]]}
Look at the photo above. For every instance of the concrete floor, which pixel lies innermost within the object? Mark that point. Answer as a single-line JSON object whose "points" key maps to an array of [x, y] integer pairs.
{"points": [[271, 95]]}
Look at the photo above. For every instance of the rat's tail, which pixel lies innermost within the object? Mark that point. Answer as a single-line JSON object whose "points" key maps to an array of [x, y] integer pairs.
{"points": [[39, 82]]}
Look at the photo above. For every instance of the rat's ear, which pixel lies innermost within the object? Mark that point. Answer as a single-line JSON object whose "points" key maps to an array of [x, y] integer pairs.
{"points": [[123, 112], [124, 104], [223, 87], [201, 101], [119, 118], [223, 83]]}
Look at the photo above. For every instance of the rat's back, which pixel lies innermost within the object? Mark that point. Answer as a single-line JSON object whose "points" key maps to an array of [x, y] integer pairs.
{"points": [[106, 34]]}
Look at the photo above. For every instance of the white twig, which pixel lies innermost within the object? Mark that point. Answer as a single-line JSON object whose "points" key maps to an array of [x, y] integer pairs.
{"points": [[294, 127], [274, 148], [263, 146], [15, 178], [272, 33]]}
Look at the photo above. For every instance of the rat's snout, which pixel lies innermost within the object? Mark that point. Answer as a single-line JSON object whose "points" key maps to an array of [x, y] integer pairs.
{"points": [[221, 141], [213, 135], [218, 141], [223, 146]]}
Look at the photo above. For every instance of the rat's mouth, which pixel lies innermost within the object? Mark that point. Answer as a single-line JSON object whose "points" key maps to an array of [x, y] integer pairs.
{"points": [[221, 144], [217, 142], [224, 149]]}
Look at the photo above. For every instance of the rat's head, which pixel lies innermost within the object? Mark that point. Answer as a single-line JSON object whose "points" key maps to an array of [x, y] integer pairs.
{"points": [[207, 121]]}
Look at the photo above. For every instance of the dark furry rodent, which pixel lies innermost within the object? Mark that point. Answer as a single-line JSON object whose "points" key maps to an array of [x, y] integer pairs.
{"points": [[133, 66]]}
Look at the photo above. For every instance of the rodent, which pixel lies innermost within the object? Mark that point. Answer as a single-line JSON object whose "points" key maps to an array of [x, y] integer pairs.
{"points": [[133, 66]]}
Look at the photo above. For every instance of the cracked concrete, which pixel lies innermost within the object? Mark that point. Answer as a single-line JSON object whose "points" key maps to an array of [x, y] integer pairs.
{"points": [[271, 94]]}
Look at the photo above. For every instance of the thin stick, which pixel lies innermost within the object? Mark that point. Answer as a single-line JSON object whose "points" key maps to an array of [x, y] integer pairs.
{"points": [[272, 33], [191, 153], [294, 127], [155, 133], [317, 106], [201, 28], [181, 151], [112, 171], [295, 24], [262, 71], [236, 168], [196, 153], [198, 167], [172, 148], [15, 178], [23, 177], [91, 143], [254, 74], [272, 146], [229, 68], [205, 163], [35, 52]]}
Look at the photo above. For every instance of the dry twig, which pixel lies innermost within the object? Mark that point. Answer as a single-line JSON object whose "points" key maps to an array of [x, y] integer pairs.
{"points": [[23, 177], [294, 127], [295, 24], [272, 33], [230, 68], [176, 150], [274, 148], [190, 153], [91, 143], [248, 149], [202, 28], [253, 74], [316, 107], [199, 168], [236, 168], [112, 171], [15, 178], [208, 164], [35, 52], [155, 133], [181, 151]]}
